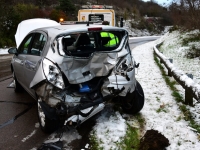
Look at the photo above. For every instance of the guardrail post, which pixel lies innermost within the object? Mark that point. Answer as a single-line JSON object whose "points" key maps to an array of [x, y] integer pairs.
{"points": [[161, 61], [169, 71], [160, 58], [188, 96], [188, 93], [190, 76]]}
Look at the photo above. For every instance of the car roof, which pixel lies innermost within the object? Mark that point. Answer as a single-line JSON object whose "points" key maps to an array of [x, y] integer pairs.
{"points": [[65, 29]]}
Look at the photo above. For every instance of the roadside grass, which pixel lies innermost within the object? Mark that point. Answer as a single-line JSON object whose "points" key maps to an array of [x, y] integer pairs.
{"points": [[131, 141], [190, 41], [179, 99], [94, 142], [192, 38]]}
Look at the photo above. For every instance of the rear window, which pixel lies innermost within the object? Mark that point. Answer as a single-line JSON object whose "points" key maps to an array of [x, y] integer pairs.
{"points": [[84, 44]]}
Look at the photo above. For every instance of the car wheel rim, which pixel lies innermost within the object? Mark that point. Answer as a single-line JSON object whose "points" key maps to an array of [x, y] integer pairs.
{"points": [[41, 114]]}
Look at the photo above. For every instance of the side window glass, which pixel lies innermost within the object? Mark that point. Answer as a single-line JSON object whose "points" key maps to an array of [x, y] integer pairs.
{"points": [[23, 48], [109, 39], [38, 44]]}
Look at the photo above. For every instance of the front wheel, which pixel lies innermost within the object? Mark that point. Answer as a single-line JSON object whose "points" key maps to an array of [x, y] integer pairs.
{"points": [[133, 102], [47, 125], [17, 86]]}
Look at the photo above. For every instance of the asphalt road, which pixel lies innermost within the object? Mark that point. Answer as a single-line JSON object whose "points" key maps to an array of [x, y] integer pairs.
{"points": [[18, 118], [19, 127], [5, 70]]}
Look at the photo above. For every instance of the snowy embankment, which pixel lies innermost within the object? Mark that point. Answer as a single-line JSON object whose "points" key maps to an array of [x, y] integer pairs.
{"points": [[173, 48], [180, 76], [160, 110]]}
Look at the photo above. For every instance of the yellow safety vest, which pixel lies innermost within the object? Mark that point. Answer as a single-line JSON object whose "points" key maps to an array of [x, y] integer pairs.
{"points": [[114, 39]]}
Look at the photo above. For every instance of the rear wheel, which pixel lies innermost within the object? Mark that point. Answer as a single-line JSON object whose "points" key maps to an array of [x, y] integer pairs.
{"points": [[133, 102], [46, 124], [17, 86]]}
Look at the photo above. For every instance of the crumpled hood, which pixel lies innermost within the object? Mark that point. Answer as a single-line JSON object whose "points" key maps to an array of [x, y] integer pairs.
{"points": [[29, 25]]}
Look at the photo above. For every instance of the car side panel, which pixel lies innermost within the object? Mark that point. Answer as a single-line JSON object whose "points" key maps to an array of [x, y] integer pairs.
{"points": [[30, 67], [18, 64]]}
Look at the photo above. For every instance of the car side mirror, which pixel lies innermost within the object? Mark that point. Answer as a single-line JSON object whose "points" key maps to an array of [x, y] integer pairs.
{"points": [[13, 50]]}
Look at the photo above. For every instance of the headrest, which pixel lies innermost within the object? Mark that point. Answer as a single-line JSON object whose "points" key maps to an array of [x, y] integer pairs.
{"points": [[83, 39], [104, 40], [68, 41]]}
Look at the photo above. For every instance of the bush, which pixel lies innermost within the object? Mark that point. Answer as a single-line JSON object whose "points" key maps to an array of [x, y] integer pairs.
{"points": [[193, 53], [152, 25], [6, 42], [57, 14], [194, 50], [173, 28]]}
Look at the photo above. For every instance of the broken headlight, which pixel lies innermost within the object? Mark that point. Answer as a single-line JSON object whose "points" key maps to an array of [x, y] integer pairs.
{"points": [[53, 73], [124, 65]]}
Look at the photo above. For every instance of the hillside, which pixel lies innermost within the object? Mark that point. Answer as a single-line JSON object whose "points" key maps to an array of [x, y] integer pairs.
{"points": [[15, 11]]}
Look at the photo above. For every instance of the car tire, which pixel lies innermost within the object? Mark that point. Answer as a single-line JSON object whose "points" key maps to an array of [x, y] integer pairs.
{"points": [[47, 125], [133, 102], [17, 85]]}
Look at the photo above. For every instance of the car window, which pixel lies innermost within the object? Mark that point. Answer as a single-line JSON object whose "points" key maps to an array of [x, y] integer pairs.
{"points": [[23, 48], [38, 44], [85, 43]]}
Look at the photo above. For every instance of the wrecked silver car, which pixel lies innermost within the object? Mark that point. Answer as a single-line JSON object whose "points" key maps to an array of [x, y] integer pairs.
{"points": [[73, 70]]}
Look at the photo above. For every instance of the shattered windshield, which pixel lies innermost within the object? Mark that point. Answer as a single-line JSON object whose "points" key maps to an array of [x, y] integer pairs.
{"points": [[85, 43]]}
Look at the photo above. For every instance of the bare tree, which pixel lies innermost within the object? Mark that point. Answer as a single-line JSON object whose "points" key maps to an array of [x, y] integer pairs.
{"points": [[186, 13]]}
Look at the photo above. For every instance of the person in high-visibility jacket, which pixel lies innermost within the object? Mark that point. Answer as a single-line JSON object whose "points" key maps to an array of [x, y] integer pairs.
{"points": [[113, 39]]}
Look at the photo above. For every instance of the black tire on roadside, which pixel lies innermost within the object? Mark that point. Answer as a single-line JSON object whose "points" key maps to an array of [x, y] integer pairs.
{"points": [[17, 85], [47, 125], [133, 102]]}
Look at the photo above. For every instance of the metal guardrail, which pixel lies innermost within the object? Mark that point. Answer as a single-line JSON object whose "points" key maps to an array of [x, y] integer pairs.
{"points": [[192, 89]]}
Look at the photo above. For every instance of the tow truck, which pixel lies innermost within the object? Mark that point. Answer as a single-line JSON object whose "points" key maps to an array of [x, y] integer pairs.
{"points": [[97, 13]]}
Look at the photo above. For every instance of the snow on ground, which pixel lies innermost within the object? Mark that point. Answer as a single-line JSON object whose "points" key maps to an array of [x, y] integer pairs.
{"points": [[3, 51], [138, 33], [172, 48], [110, 129], [160, 110]]}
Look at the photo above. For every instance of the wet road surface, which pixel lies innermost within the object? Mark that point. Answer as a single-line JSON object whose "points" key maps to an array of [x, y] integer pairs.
{"points": [[18, 120], [19, 127], [5, 70]]}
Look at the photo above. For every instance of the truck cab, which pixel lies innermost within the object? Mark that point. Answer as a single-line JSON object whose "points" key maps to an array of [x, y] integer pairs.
{"points": [[97, 13]]}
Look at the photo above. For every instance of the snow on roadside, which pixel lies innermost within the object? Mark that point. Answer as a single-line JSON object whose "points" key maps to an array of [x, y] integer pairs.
{"points": [[160, 110], [3, 51], [109, 129], [172, 47]]}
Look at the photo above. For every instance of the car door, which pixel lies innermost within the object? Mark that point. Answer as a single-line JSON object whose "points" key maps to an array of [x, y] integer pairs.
{"points": [[33, 59], [20, 58]]}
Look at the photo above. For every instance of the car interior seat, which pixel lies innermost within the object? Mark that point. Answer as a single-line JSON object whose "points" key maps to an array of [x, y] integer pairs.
{"points": [[83, 42], [67, 42]]}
